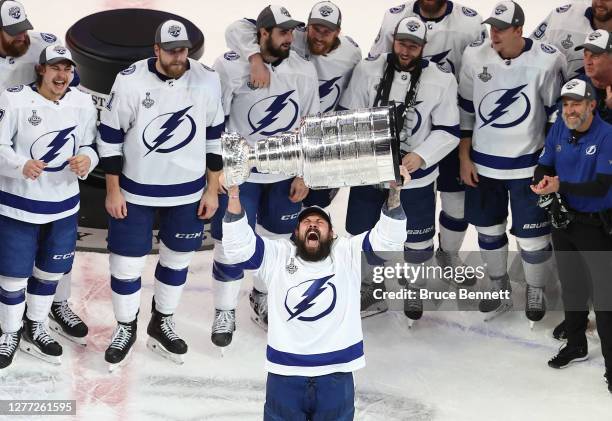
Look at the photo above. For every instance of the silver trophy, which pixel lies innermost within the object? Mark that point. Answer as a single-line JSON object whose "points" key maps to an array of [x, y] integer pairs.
{"points": [[336, 149]]}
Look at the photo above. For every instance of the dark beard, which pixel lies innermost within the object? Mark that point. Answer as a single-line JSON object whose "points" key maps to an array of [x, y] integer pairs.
{"points": [[433, 9], [171, 71], [276, 52], [319, 254], [13, 50], [603, 18]]}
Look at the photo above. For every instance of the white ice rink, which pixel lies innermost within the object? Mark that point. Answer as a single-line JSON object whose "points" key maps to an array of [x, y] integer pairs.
{"points": [[450, 366]]}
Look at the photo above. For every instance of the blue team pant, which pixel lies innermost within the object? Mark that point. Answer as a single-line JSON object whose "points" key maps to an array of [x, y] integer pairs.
{"points": [[449, 180], [487, 205], [49, 246], [180, 229], [321, 398]]}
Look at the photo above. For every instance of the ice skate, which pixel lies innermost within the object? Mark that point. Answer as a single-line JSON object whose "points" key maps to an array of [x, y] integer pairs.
{"points": [[495, 307], [9, 342], [163, 339], [65, 322], [37, 342], [371, 306], [121, 345], [223, 328], [535, 304], [259, 304]]}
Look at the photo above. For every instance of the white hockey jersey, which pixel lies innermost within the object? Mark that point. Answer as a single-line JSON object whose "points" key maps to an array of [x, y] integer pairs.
{"points": [[259, 113], [432, 129], [507, 104], [333, 70], [314, 324], [20, 70], [566, 27], [447, 37], [33, 127], [163, 128]]}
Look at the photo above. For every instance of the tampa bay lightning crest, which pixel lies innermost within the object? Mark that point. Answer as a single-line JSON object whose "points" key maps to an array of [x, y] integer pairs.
{"points": [[48, 38], [311, 300], [329, 93], [273, 114], [442, 60], [169, 132], [504, 108], [55, 148]]}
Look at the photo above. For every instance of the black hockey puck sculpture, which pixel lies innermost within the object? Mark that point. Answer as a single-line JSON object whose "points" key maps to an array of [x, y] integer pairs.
{"points": [[102, 45]]}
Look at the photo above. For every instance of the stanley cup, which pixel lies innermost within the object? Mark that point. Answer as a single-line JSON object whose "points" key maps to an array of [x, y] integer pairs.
{"points": [[336, 149]]}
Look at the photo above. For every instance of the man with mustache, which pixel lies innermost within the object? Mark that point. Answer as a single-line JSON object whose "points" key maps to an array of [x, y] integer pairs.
{"points": [[576, 169], [271, 200], [334, 57], [425, 96], [566, 26], [505, 115], [315, 340], [47, 131], [159, 146], [20, 50]]}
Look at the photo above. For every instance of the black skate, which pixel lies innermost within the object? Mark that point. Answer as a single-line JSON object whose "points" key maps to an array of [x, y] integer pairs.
{"points": [[535, 304], [559, 332], [452, 259], [495, 306], [223, 328], [413, 307], [8, 347], [259, 304], [370, 305], [163, 339], [37, 342], [121, 345], [65, 322], [568, 355]]}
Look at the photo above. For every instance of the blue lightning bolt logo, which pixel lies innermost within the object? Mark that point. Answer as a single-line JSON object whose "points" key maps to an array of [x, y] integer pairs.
{"points": [[507, 99], [317, 287], [325, 88], [167, 131], [53, 148], [272, 111]]}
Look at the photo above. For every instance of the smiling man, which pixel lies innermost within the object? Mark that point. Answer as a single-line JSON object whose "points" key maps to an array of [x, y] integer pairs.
{"points": [[47, 131], [315, 340]]}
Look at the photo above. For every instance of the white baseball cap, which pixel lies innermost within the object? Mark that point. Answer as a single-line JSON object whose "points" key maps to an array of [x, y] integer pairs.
{"points": [[579, 90], [326, 13], [506, 14], [13, 18], [411, 28], [172, 34], [276, 16], [598, 42], [55, 54]]}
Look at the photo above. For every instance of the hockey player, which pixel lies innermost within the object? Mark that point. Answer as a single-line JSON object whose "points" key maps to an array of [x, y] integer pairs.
{"points": [[159, 146], [426, 96], [315, 340], [507, 86], [334, 57], [451, 27], [273, 201], [47, 132], [566, 26], [20, 50]]}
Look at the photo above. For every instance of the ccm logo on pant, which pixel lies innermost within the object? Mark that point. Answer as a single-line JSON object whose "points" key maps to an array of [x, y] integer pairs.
{"points": [[63, 256], [289, 217], [188, 236]]}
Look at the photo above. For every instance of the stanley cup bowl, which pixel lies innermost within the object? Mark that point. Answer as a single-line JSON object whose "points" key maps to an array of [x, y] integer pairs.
{"points": [[336, 149]]}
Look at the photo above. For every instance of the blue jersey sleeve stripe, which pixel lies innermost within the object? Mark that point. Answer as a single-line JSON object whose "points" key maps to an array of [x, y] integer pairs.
{"points": [[341, 356], [111, 135], [453, 130], [467, 105], [214, 132]]}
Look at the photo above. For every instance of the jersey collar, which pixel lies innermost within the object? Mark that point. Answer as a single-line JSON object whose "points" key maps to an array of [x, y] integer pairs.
{"points": [[151, 64], [35, 89], [449, 9], [588, 13]]}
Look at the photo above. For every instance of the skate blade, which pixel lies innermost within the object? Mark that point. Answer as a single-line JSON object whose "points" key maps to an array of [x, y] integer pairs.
{"points": [[577, 360], [155, 346], [410, 323], [115, 367], [33, 350], [504, 308], [374, 310], [53, 325], [259, 322], [531, 324]]}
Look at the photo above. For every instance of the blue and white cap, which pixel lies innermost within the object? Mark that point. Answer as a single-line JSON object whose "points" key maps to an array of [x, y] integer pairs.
{"points": [[598, 42], [579, 90], [411, 28], [13, 18], [55, 54], [172, 34], [506, 14]]}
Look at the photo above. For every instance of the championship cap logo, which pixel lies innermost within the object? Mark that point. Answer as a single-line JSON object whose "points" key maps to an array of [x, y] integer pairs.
{"points": [[15, 12], [500, 9], [285, 12], [174, 30], [326, 10], [413, 26], [59, 50]]}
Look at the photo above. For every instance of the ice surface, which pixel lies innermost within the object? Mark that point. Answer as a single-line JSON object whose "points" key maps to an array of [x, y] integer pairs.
{"points": [[449, 366]]}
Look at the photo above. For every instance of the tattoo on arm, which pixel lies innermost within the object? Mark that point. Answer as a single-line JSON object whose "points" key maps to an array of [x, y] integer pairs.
{"points": [[394, 199]]}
